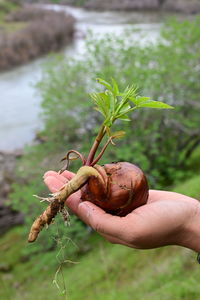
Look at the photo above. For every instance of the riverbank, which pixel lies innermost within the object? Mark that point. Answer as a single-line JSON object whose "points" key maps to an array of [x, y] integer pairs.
{"points": [[39, 32], [182, 6]]}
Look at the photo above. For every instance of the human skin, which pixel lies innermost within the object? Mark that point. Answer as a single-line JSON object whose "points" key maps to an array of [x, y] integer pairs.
{"points": [[167, 218]]}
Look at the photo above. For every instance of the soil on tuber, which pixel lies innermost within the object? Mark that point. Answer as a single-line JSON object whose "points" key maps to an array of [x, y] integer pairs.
{"points": [[118, 188]]}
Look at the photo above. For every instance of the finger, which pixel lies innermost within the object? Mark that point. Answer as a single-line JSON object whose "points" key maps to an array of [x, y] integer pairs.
{"points": [[67, 174], [73, 202], [101, 221], [49, 173], [57, 176], [53, 183]]}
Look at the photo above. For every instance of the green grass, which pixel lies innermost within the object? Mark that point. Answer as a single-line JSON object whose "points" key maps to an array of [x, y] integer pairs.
{"points": [[190, 188], [107, 272], [7, 7]]}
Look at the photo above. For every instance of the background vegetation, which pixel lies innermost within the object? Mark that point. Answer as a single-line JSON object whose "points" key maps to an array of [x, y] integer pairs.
{"points": [[164, 144]]}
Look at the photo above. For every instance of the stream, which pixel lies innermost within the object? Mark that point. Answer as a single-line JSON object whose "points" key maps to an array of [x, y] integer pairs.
{"points": [[20, 102]]}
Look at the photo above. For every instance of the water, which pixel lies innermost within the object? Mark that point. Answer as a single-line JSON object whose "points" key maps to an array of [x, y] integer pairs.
{"points": [[20, 104]]}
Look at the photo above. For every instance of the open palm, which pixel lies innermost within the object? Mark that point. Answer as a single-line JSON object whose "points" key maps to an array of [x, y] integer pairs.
{"points": [[163, 220]]}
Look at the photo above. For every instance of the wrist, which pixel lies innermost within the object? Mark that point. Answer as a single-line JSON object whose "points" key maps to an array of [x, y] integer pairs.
{"points": [[190, 237]]}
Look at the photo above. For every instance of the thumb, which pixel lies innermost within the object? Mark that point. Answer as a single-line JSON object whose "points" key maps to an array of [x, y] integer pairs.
{"points": [[99, 220]]}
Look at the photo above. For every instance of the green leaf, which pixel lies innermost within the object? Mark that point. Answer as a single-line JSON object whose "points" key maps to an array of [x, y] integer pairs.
{"points": [[112, 101], [155, 104], [124, 109], [138, 100], [129, 92], [124, 118], [99, 101], [99, 110], [114, 105], [142, 99], [115, 87], [105, 83], [105, 100]]}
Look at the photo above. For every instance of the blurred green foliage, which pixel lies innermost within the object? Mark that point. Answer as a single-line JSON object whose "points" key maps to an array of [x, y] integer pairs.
{"points": [[69, 2], [6, 7], [160, 142]]}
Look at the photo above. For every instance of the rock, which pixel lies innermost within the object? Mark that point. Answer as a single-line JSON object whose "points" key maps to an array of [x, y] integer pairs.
{"points": [[8, 217]]}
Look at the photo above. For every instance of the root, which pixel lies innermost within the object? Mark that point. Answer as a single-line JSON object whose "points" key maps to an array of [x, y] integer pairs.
{"points": [[58, 199], [67, 157]]}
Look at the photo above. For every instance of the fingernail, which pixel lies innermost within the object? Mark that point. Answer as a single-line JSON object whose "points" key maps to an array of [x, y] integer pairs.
{"points": [[46, 174]]}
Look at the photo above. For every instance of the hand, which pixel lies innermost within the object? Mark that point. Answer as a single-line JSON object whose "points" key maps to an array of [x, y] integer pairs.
{"points": [[168, 218]]}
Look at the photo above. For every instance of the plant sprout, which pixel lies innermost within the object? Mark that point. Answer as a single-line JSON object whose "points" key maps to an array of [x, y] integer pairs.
{"points": [[125, 180]]}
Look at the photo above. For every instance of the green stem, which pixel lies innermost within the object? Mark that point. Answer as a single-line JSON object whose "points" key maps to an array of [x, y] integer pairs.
{"points": [[95, 145]]}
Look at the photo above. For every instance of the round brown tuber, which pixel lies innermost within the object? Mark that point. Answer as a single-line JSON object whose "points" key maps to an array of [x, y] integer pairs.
{"points": [[123, 188]]}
